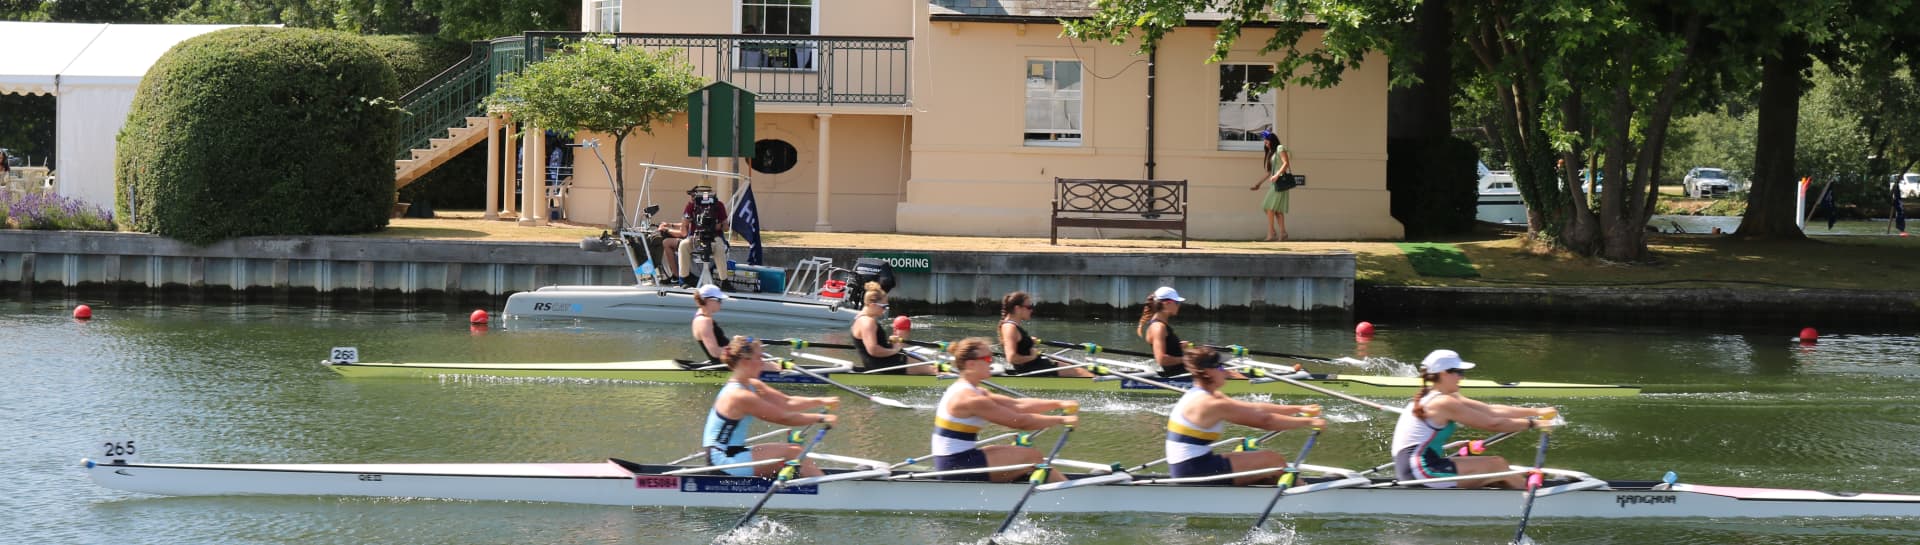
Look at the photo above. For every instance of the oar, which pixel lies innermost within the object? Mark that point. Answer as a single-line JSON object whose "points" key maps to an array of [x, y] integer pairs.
{"points": [[1238, 350], [989, 383], [1394, 410], [869, 397], [802, 344], [1104, 370], [1039, 477], [1533, 488], [1286, 481], [1091, 348], [786, 473], [749, 440], [1467, 446]]}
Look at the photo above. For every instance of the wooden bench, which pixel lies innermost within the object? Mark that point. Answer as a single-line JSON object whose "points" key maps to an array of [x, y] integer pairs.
{"points": [[1120, 204]]}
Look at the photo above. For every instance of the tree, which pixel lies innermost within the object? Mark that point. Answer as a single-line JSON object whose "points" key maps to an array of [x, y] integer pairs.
{"points": [[593, 86], [471, 20]]}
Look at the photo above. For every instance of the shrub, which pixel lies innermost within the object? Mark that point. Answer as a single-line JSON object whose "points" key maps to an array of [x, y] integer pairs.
{"points": [[260, 131], [416, 58], [50, 211]]}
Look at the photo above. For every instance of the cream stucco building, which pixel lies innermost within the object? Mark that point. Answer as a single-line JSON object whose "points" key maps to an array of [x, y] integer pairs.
{"points": [[954, 117]]}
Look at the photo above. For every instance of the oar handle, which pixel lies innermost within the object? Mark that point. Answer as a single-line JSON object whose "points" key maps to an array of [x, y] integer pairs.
{"points": [[1237, 350]]}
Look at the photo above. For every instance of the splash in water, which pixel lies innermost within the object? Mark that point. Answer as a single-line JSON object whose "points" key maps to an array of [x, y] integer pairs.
{"points": [[1277, 532], [1026, 532], [762, 530]]}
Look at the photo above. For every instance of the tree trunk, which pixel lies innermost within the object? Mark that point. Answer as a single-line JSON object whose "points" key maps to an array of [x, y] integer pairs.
{"points": [[619, 180], [1770, 206]]}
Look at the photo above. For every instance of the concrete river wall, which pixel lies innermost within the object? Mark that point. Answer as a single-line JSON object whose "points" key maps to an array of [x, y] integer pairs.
{"points": [[351, 269]]}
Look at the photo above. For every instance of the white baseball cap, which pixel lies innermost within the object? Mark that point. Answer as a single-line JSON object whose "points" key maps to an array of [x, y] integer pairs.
{"points": [[711, 291], [1441, 361], [1166, 293]]}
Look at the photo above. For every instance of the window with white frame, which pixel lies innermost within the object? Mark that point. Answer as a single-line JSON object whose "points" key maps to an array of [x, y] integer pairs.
{"points": [[777, 17], [1053, 102], [606, 15], [1244, 114]]}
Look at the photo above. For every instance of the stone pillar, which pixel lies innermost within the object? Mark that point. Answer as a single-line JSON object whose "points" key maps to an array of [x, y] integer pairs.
{"points": [[512, 169], [533, 179], [493, 167], [824, 206]]}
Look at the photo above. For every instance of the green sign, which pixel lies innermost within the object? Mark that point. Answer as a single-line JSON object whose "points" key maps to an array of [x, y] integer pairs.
{"points": [[716, 110], [906, 262]]}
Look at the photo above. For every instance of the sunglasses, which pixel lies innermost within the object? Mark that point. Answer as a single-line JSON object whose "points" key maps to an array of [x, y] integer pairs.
{"points": [[881, 305], [1461, 372]]}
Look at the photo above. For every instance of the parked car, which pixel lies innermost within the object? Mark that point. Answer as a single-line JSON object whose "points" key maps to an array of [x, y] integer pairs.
{"points": [[1704, 182], [1909, 185]]}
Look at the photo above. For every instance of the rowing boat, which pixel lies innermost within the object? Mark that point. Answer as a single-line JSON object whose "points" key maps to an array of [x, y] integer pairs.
{"points": [[616, 482], [684, 372]]}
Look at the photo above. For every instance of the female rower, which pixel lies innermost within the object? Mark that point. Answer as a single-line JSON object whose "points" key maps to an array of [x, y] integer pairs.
{"points": [[1438, 410], [1156, 326], [706, 330], [743, 399], [966, 407], [1015, 308], [1201, 414], [875, 349]]}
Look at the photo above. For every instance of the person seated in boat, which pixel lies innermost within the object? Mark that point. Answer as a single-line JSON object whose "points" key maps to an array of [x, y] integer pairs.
{"points": [[1203, 412], [871, 343], [1156, 327], [1015, 308], [1421, 435], [704, 221], [744, 399], [706, 330], [966, 408]]}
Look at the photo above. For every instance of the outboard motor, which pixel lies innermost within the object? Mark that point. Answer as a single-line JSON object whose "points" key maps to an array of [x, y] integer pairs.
{"points": [[865, 270]]}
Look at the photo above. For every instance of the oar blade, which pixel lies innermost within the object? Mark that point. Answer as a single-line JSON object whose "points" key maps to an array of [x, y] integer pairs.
{"points": [[889, 402]]}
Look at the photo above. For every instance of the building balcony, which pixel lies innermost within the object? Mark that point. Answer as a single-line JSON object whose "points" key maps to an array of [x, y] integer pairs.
{"points": [[781, 69]]}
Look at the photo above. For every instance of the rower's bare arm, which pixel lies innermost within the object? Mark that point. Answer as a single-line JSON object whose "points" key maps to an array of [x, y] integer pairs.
{"points": [[1033, 405], [1474, 414], [1009, 339], [869, 341], [1309, 409], [996, 412], [1262, 415], [1158, 338], [762, 409], [1506, 411]]}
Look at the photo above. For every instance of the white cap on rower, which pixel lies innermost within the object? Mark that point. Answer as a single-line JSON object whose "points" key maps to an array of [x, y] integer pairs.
{"points": [[1441, 361], [711, 291], [1166, 293]]}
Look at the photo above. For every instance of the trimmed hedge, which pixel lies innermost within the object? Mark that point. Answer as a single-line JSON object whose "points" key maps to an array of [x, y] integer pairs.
{"points": [[260, 131], [416, 58]]}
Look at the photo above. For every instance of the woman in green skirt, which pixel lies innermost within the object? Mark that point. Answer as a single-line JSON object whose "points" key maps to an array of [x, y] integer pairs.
{"points": [[1277, 164]]}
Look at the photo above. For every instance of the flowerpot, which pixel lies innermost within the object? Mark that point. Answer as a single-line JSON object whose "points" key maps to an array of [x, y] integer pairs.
{"points": [[400, 209]]}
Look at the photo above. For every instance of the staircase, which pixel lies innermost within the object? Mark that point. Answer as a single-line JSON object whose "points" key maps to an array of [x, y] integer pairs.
{"points": [[445, 115]]}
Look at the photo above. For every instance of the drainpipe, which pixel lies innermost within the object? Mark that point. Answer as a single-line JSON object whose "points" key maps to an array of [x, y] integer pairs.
{"points": [[1153, 54]]}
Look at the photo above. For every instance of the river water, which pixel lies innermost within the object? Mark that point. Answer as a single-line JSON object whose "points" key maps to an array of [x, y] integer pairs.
{"points": [[241, 384]]}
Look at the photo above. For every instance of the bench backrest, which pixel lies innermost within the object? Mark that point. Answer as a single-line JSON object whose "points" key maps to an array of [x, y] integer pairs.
{"points": [[1103, 196]]}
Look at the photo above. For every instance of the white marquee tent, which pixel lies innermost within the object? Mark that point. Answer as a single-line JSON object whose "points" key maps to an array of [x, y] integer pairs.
{"points": [[92, 70]]}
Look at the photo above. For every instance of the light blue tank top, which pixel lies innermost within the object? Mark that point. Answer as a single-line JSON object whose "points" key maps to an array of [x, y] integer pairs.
{"points": [[723, 432]]}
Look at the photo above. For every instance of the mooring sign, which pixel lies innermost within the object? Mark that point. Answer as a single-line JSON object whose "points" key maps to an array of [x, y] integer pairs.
{"points": [[906, 262]]}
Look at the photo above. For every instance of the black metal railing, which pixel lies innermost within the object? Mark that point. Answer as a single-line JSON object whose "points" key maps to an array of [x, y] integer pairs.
{"points": [[792, 69]]}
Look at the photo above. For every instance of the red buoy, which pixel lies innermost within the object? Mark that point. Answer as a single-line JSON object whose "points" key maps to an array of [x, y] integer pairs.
{"points": [[902, 324], [478, 317], [1364, 329], [1808, 335], [83, 312]]}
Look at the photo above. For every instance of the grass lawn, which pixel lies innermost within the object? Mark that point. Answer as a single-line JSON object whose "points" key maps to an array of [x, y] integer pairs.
{"points": [[1501, 259]]}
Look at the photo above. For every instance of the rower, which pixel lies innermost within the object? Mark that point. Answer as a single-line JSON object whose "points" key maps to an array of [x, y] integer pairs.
{"points": [[743, 399], [1015, 308], [1438, 410], [706, 330], [1199, 417], [1156, 327], [876, 350], [966, 408]]}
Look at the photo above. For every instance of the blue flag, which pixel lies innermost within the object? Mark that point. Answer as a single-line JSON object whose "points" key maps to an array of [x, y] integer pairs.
{"points": [[746, 222]]}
